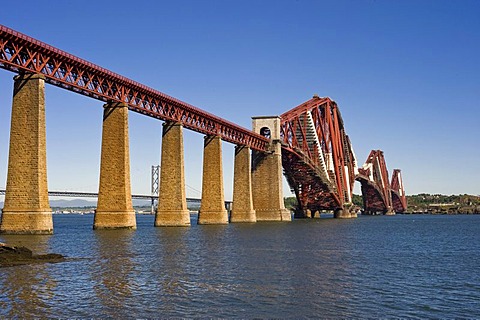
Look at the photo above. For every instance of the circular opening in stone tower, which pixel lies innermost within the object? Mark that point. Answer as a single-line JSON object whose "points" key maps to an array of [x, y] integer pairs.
{"points": [[265, 131]]}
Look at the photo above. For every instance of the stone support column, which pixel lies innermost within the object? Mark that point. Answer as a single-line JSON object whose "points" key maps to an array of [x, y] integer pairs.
{"points": [[212, 209], [242, 210], [26, 209], [268, 187], [114, 207], [344, 213], [172, 203], [390, 212], [267, 174]]}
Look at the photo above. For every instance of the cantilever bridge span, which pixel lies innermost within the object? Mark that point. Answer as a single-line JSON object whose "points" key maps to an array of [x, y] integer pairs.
{"points": [[399, 200], [309, 142], [379, 195], [318, 158]]}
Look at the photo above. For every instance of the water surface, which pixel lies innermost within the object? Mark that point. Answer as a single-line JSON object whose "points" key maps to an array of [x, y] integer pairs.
{"points": [[407, 266]]}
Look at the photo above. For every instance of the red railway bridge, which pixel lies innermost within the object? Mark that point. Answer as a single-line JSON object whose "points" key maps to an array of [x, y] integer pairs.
{"points": [[318, 158], [309, 142], [379, 196]]}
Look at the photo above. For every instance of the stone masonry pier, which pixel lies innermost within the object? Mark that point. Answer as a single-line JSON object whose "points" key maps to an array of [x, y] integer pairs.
{"points": [[114, 207], [26, 209]]}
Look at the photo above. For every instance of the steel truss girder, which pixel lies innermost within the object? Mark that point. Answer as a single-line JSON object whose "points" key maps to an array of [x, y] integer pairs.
{"points": [[314, 131], [399, 200], [373, 198], [375, 183], [20, 53], [314, 192]]}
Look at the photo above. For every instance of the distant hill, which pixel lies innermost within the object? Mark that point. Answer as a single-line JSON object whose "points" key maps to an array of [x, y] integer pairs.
{"points": [[74, 203], [424, 202]]}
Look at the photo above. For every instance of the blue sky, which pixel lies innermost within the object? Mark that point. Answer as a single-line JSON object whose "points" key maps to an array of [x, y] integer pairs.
{"points": [[406, 75]]}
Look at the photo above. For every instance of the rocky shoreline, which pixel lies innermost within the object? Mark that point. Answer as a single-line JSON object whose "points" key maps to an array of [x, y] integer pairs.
{"points": [[14, 256]]}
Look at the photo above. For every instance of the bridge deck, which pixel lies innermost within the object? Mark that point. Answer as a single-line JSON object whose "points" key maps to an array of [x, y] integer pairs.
{"points": [[95, 195], [21, 53]]}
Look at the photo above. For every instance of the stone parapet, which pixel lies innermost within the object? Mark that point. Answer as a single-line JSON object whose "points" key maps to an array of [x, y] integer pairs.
{"points": [[27, 209], [114, 207], [172, 208], [212, 209]]}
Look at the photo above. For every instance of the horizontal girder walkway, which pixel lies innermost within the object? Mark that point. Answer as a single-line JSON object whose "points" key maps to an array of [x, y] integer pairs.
{"points": [[95, 195], [21, 53]]}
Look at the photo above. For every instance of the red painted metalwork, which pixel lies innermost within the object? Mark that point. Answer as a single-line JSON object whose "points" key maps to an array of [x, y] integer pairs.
{"points": [[399, 200], [20, 53], [317, 156], [375, 184]]}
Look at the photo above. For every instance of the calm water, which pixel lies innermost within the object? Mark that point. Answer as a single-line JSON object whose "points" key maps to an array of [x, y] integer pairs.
{"points": [[402, 266]]}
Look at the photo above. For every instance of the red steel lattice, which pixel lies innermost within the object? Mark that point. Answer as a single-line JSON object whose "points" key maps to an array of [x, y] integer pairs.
{"points": [[20, 53], [317, 156], [375, 184], [399, 200]]}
